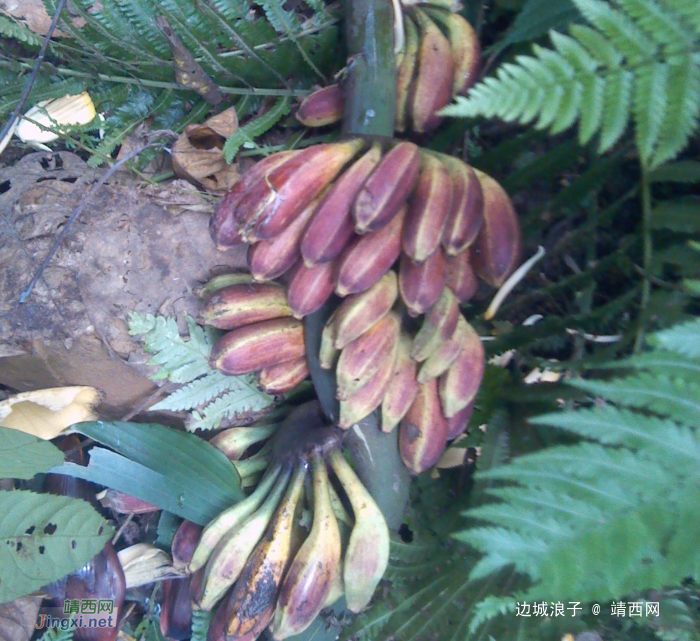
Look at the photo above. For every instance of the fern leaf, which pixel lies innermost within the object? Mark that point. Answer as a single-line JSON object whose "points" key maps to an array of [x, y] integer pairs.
{"points": [[674, 398], [683, 107], [622, 31], [286, 22], [637, 62], [522, 553], [490, 608], [650, 101], [612, 426], [677, 215], [242, 404], [198, 392], [16, 31], [141, 15], [255, 128], [55, 634], [181, 361], [661, 362], [659, 23], [688, 9], [545, 500], [682, 339], [617, 100], [598, 46]]}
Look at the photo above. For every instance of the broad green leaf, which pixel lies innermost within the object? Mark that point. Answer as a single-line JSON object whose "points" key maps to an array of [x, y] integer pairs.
{"points": [[183, 459], [43, 537], [23, 455], [193, 501]]}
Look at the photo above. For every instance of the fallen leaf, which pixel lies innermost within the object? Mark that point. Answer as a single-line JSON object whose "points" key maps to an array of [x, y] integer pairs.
{"points": [[18, 618], [452, 457], [197, 154], [34, 15], [48, 412], [144, 563]]}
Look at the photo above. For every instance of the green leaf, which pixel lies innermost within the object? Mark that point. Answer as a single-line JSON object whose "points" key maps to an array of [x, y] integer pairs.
{"points": [[181, 361], [211, 396], [255, 128], [681, 339], [23, 455], [173, 470], [536, 18], [200, 391], [672, 397], [120, 473], [682, 171], [682, 215], [637, 62], [241, 405], [176, 455], [650, 101], [11, 29], [56, 634], [43, 537]]}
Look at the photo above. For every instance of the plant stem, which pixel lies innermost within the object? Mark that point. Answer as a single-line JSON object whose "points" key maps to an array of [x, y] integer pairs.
{"points": [[370, 106], [647, 257], [234, 91]]}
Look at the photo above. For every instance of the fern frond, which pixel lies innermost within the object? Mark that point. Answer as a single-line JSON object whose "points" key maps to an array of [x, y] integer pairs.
{"points": [[675, 398], [490, 608], [11, 29], [180, 361], [681, 339], [255, 128], [241, 405], [613, 426], [210, 396], [638, 62], [55, 634], [596, 504], [196, 393]]}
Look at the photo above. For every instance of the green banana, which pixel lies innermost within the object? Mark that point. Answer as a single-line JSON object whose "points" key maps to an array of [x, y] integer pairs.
{"points": [[310, 577], [367, 553], [228, 519], [231, 554]]}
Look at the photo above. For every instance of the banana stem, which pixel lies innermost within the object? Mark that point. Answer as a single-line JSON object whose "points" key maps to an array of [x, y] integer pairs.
{"points": [[370, 105]]}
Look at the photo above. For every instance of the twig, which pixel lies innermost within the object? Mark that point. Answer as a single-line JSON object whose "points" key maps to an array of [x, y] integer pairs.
{"points": [[76, 213], [121, 529], [648, 252], [159, 84], [512, 281], [35, 71], [165, 389]]}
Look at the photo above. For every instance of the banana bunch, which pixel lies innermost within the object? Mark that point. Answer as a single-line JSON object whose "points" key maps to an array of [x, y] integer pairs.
{"points": [[262, 334], [425, 383], [440, 59], [259, 568], [336, 218], [399, 234]]}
